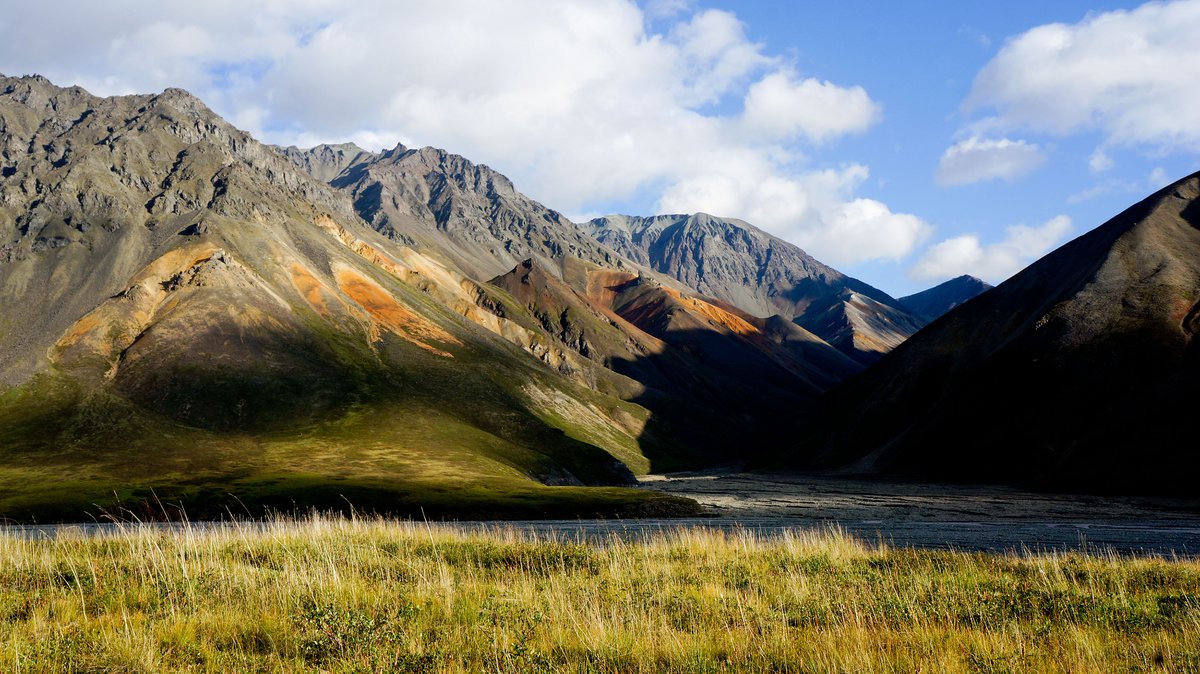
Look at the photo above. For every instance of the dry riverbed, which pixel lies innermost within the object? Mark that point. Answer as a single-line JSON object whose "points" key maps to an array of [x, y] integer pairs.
{"points": [[966, 517]]}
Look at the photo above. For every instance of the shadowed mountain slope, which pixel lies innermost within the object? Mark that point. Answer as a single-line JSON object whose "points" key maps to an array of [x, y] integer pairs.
{"points": [[727, 382], [761, 274], [1077, 373], [183, 310], [933, 303]]}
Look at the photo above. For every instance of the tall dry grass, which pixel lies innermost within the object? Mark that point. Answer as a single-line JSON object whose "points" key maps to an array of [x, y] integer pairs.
{"points": [[340, 595]]}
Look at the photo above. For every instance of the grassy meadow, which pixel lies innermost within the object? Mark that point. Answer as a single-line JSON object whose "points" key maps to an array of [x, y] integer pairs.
{"points": [[340, 595]]}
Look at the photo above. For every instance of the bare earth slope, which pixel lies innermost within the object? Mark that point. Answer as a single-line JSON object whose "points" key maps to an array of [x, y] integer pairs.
{"points": [[183, 310], [1077, 373], [733, 261]]}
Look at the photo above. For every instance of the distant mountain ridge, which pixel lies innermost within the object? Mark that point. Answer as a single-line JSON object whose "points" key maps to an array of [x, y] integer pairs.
{"points": [[932, 303], [327, 162], [736, 262]]}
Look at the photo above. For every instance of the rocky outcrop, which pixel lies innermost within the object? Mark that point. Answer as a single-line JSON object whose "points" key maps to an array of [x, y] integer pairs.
{"points": [[326, 162]]}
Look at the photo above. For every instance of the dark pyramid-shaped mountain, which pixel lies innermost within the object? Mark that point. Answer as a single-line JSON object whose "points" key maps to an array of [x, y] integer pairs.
{"points": [[1079, 372], [185, 313], [734, 261], [933, 303]]}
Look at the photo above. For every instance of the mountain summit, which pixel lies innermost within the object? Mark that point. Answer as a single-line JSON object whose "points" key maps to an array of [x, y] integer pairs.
{"points": [[434, 200], [187, 314]]}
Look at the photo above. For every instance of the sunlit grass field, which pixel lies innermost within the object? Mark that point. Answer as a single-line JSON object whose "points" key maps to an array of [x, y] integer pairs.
{"points": [[339, 595]]}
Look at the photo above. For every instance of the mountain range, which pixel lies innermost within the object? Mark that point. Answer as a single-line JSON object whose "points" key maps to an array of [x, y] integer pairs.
{"points": [[188, 316], [763, 275], [192, 319]]}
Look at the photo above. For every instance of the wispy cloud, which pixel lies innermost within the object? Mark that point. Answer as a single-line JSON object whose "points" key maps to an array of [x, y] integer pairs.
{"points": [[978, 159]]}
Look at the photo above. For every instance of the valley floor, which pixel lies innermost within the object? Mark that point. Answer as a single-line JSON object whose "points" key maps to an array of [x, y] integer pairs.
{"points": [[337, 595], [964, 517]]}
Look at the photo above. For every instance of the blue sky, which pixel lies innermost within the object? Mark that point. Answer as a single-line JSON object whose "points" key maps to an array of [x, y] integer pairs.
{"points": [[904, 143], [920, 60]]}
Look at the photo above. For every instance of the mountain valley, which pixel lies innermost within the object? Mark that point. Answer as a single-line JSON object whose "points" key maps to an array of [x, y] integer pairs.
{"points": [[190, 317]]}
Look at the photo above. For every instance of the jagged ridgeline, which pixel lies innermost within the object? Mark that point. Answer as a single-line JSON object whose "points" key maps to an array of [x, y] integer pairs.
{"points": [[188, 316]]}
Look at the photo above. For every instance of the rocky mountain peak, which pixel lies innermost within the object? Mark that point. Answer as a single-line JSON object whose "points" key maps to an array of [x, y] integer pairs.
{"points": [[470, 214], [326, 162]]}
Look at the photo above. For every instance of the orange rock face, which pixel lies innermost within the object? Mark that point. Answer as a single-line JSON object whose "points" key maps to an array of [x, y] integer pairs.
{"points": [[387, 312]]}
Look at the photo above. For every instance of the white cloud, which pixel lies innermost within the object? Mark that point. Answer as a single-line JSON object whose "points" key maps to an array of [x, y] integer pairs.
{"points": [[977, 159], [781, 107], [580, 102], [993, 262], [1158, 178], [662, 9], [1128, 74], [816, 210]]}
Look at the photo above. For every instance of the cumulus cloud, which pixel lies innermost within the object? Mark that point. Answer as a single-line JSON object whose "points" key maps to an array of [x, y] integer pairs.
{"points": [[977, 159], [816, 210], [1127, 74], [660, 9], [581, 102], [780, 106], [993, 262]]}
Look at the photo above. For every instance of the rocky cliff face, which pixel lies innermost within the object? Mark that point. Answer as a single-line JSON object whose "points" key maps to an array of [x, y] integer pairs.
{"points": [[1076, 373], [764, 275]]}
